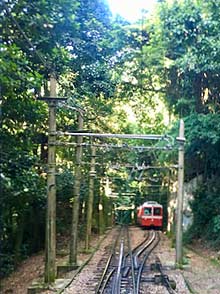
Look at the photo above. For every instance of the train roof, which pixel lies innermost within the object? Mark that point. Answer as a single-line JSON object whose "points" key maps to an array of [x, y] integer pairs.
{"points": [[151, 203]]}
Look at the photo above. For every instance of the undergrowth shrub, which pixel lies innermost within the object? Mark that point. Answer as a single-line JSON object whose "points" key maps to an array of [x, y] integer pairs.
{"points": [[206, 214]]}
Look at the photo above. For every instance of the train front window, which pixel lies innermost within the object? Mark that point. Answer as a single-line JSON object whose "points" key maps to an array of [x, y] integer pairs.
{"points": [[147, 210], [157, 211]]}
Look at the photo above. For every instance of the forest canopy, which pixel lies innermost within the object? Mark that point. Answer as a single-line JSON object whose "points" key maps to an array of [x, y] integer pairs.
{"points": [[127, 78]]}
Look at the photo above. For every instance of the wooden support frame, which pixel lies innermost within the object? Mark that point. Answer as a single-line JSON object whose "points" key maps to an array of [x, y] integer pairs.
{"points": [[50, 241]]}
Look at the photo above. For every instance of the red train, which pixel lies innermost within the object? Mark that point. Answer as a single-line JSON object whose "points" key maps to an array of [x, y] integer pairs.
{"points": [[150, 214]]}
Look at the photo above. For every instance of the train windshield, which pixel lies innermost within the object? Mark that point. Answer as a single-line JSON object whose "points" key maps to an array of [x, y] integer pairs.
{"points": [[157, 211], [147, 210]]}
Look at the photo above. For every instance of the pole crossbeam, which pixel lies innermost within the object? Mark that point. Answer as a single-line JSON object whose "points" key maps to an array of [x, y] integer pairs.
{"points": [[122, 146], [143, 167], [119, 136]]}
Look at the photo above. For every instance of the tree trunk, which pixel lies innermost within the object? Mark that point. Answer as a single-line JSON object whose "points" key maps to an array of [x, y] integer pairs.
{"points": [[198, 93], [19, 238]]}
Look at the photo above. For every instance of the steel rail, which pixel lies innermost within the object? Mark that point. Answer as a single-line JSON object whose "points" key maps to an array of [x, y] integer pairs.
{"points": [[117, 271], [165, 278], [102, 284], [132, 262], [134, 249], [117, 282], [149, 242], [105, 282], [145, 259], [126, 267]]}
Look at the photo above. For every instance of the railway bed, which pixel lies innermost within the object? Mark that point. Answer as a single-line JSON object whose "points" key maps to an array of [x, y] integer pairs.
{"points": [[88, 280], [201, 274]]}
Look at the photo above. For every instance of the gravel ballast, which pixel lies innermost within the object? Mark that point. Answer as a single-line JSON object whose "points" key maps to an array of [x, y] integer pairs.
{"points": [[85, 280]]}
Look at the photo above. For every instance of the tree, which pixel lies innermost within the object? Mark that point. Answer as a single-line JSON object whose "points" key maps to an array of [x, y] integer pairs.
{"points": [[187, 33]]}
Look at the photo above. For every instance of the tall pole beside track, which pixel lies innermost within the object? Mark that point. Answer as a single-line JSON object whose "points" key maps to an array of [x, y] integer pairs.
{"points": [[76, 195], [179, 225], [92, 174], [50, 260], [101, 207], [50, 242]]}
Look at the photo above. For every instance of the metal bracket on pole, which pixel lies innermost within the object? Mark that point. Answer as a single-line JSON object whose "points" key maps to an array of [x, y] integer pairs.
{"points": [[54, 100], [181, 140]]}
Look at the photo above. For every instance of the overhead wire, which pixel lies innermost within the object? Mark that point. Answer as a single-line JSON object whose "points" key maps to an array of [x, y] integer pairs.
{"points": [[76, 108], [120, 146], [42, 59]]}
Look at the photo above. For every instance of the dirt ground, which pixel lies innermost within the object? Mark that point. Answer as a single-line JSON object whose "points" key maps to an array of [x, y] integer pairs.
{"points": [[201, 273], [18, 281]]}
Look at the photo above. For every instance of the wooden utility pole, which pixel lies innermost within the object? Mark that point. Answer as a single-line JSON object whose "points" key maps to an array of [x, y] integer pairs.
{"points": [[92, 174], [50, 260], [179, 225], [101, 207], [76, 196]]}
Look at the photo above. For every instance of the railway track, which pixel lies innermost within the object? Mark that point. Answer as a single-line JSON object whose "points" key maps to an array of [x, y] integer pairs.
{"points": [[119, 267], [114, 277], [128, 271]]}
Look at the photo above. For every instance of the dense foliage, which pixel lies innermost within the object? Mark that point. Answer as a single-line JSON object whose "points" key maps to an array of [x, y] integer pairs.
{"points": [[189, 40], [73, 40], [128, 78]]}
